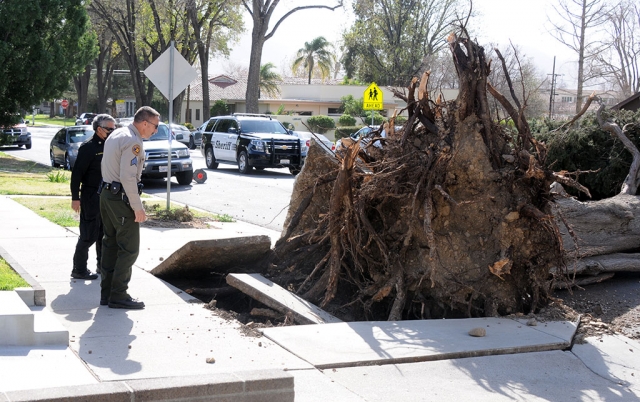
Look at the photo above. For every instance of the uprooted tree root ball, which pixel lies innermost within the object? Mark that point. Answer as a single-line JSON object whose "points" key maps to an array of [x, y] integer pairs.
{"points": [[448, 217]]}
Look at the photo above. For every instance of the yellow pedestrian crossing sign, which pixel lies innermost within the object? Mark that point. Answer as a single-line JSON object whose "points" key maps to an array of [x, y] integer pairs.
{"points": [[372, 98]]}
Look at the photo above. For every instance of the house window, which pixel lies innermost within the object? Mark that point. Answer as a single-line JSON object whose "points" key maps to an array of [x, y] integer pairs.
{"points": [[567, 99], [197, 114], [333, 110]]}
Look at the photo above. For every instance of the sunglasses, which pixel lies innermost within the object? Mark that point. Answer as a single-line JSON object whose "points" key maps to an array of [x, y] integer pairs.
{"points": [[108, 129], [155, 126]]}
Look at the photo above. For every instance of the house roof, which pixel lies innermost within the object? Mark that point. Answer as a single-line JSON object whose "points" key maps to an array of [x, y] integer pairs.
{"points": [[626, 102], [228, 87], [220, 87]]}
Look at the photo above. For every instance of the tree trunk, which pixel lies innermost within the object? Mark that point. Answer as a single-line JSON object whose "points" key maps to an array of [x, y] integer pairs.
{"points": [[599, 236], [430, 222], [253, 80], [81, 82]]}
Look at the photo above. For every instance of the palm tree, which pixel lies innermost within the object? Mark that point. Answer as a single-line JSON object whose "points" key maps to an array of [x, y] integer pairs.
{"points": [[269, 80], [315, 54]]}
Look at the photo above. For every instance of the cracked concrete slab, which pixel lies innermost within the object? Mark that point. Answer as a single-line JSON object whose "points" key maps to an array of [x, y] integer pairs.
{"points": [[386, 342]]}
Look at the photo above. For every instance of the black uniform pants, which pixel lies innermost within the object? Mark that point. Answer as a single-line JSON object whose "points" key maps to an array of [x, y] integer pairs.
{"points": [[90, 230], [120, 246]]}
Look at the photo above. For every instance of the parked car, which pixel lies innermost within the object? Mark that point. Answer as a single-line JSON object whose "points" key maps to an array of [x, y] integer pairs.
{"points": [[17, 135], [184, 135], [365, 134], [63, 149], [306, 137], [156, 151], [123, 121], [85, 119], [250, 140]]}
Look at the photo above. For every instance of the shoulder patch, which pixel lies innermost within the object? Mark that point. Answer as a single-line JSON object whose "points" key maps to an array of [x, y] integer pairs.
{"points": [[136, 150]]}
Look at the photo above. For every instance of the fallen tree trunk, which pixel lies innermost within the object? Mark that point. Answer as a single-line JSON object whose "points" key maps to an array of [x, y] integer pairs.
{"points": [[449, 217]]}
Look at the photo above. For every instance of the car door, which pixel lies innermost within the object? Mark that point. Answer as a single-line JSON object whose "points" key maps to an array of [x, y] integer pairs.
{"points": [[224, 140], [58, 146]]}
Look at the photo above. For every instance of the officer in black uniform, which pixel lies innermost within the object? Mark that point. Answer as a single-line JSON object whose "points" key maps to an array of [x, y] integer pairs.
{"points": [[85, 181], [121, 207]]}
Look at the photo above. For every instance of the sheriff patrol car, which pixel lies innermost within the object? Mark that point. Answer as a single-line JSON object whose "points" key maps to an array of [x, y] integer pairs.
{"points": [[250, 140]]}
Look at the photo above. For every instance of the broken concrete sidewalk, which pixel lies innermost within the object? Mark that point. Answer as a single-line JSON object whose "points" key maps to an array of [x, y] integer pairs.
{"points": [[276, 297], [200, 257]]}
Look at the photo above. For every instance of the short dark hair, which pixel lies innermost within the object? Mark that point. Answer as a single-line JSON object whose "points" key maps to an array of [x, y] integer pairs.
{"points": [[144, 113], [99, 120]]}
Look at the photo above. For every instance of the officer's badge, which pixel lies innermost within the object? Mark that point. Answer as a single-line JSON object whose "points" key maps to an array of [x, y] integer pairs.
{"points": [[136, 150], [134, 161]]}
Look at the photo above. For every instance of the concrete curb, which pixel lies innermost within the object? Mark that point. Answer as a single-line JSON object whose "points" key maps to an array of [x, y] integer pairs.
{"points": [[32, 297], [263, 385]]}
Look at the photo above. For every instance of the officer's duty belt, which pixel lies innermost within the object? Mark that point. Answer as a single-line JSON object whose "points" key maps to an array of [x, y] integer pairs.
{"points": [[109, 186]]}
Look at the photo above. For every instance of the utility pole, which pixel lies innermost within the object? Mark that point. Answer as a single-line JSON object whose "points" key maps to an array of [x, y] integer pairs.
{"points": [[552, 97]]}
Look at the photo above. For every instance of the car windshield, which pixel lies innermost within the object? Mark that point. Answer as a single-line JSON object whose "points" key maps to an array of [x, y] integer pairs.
{"points": [[302, 134], [179, 127], [262, 126], [161, 135], [79, 136]]}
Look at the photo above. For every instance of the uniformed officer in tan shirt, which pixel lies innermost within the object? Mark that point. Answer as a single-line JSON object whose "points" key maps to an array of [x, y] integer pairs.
{"points": [[121, 208]]}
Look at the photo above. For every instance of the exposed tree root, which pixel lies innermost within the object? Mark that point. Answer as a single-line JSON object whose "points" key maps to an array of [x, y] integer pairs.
{"points": [[448, 217]]}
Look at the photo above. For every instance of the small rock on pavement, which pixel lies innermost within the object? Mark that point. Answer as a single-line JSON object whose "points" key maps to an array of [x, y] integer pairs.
{"points": [[211, 360], [478, 332], [532, 322]]}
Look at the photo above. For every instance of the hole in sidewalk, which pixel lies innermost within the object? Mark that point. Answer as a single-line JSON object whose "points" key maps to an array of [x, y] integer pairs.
{"points": [[228, 302]]}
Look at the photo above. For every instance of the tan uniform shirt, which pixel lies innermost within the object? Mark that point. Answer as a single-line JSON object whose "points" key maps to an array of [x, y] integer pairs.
{"points": [[123, 161]]}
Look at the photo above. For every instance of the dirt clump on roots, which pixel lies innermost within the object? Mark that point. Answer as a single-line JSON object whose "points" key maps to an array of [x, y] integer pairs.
{"points": [[448, 217]]}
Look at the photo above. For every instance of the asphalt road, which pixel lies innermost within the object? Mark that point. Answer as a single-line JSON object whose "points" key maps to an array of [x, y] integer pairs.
{"points": [[261, 198]]}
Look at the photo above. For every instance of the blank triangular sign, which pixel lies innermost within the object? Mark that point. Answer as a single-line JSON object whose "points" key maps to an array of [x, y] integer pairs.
{"points": [[183, 73]]}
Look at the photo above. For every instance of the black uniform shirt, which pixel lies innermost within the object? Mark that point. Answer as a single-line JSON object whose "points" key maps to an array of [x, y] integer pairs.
{"points": [[87, 167]]}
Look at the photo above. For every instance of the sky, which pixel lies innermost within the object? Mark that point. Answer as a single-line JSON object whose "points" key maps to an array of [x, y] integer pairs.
{"points": [[524, 22]]}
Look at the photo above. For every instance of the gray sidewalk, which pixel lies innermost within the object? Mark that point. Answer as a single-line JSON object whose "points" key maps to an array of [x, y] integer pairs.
{"points": [[175, 345]]}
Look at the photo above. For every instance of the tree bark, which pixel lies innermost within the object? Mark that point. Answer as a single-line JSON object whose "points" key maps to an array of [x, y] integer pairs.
{"points": [[81, 82]]}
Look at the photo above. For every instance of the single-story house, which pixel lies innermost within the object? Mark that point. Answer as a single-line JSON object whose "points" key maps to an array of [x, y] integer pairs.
{"points": [[299, 99]]}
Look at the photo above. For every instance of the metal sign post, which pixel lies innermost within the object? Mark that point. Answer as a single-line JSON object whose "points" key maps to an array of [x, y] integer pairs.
{"points": [[171, 48], [171, 74]]}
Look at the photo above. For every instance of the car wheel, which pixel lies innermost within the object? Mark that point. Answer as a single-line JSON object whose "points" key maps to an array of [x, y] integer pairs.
{"points": [[243, 163], [67, 162], [192, 143], [184, 178], [294, 171], [53, 161], [210, 159], [28, 146]]}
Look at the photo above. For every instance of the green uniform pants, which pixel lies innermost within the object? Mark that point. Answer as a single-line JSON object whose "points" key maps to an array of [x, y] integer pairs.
{"points": [[120, 246]]}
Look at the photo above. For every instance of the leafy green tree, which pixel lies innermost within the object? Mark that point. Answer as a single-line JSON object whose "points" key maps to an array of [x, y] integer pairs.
{"points": [[351, 106], [315, 54], [321, 123], [347, 120], [219, 108], [261, 12], [390, 39], [587, 147], [269, 80], [43, 46]]}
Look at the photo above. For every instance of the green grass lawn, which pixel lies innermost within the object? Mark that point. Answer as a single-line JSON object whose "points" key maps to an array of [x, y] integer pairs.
{"points": [[57, 210], [9, 279], [18, 176], [45, 120], [21, 177]]}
